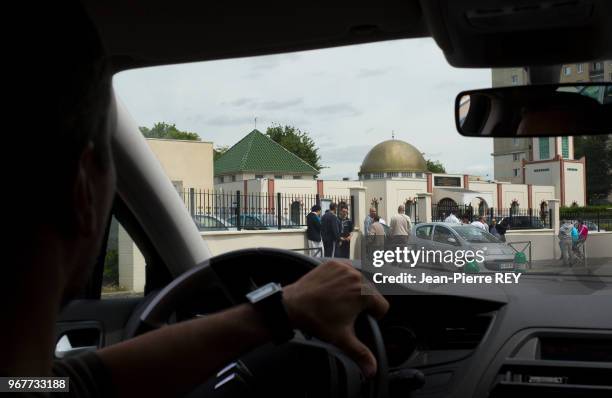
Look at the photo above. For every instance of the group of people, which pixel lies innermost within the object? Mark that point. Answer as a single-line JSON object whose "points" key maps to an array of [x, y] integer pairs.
{"points": [[571, 238], [377, 231], [494, 228], [329, 235]]}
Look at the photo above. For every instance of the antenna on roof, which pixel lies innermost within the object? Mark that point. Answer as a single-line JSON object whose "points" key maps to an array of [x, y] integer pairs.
{"points": [[392, 134], [256, 123]]}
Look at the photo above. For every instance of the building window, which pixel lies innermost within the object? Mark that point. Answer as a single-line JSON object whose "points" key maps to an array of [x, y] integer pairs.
{"points": [[516, 157], [259, 176], [544, 148], [378, 176], [515, 141], [516, 172], [297, 177], [393, 174], [407, 174], [515, 79], [597, 66], [366, 176], [567, 70], [233, 178], [580, 68], [565, 147], [418, 175], [278, 177]]}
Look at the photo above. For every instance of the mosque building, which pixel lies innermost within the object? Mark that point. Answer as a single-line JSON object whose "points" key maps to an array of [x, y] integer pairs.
{"points": [[393, 172]]}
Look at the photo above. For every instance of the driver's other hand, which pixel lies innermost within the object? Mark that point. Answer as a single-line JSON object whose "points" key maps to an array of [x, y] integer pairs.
{"points": [[325, 303]]}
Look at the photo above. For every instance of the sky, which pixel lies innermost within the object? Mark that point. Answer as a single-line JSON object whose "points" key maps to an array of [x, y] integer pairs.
{"points": [[348, 99]]}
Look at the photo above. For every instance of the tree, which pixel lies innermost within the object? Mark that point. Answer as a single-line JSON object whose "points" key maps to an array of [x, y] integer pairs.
{"points": [[168, 131], [218, 151], [598, 152], [297, 142], [434, 166]]}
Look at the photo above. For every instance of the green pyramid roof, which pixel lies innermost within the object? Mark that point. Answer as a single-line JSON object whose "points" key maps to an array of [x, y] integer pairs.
{"points": [[257, 152]]}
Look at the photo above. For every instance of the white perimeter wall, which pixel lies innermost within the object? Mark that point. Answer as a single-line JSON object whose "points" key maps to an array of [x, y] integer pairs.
{"points": [[132, 263]]}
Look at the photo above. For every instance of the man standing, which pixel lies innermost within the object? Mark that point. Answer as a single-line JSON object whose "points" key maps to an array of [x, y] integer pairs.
{"points": [[493, 229], [452, 218], [501, 228], [583, 231], [369, 220], [401, 225], [346, 228], [565, 242], [330, 231], [313, 231], [481, 223]]}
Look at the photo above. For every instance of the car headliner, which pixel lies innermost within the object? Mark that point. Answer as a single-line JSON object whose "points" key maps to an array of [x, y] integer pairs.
{"points": [[472, 33]]}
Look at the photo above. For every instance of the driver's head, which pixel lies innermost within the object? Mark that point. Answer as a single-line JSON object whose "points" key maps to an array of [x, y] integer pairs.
{"points": [[70, 152]]}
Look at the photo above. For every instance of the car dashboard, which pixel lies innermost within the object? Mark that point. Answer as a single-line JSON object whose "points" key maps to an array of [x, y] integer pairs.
{"points": [[547, 336]]}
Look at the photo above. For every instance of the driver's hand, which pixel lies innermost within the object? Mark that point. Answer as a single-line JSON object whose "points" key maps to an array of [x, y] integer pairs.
{"points": [[325, 303]]}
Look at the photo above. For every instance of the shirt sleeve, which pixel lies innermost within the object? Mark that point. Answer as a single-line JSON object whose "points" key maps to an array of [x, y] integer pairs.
{"points": [[89, 377]]}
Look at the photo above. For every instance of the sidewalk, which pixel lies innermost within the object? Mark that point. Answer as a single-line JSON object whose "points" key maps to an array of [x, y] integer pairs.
{"points": [[594, 266]]}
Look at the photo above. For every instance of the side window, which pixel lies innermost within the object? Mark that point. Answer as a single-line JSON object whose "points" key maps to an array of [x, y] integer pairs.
{"points": [[252, 222], [424, 232], [209, 223], [442, 234], [124, 265]]}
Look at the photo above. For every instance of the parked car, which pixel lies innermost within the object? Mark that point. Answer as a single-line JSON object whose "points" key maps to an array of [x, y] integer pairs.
{"points": [[522, 222], [207, 222], [260, 221], [455, 237]]}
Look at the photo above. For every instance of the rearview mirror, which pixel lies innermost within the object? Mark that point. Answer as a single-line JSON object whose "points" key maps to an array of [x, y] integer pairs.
{"points": [[538, 110]]}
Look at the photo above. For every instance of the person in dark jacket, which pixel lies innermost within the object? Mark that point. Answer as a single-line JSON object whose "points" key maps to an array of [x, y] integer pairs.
{"points": [[313, 231], [346, 228], [501, 229], [330, 231]]}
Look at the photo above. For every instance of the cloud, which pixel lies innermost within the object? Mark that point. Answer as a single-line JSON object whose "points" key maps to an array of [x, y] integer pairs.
{"points": [[239, 101], [344, 154], [366, 72], [225, 120], [477, 169], [338, 109], [275, 105], [269, 105]]}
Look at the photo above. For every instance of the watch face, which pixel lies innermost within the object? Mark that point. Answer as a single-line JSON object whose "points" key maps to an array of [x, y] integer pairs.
{"points": [[263, 292]]}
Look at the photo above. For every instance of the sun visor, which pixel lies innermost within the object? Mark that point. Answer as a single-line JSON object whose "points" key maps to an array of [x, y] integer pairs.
{"points": [[503, 33]]}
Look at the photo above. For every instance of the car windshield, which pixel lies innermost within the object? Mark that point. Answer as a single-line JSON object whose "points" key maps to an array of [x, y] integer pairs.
{"points": [[474, 235], [363, 131]]}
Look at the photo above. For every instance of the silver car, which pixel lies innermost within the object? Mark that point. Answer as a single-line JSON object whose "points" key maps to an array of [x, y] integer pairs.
{"points": [[455, 237]]}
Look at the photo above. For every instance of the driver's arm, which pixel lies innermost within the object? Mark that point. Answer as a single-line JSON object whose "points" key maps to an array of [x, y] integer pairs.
{"points": [[175, 359]]}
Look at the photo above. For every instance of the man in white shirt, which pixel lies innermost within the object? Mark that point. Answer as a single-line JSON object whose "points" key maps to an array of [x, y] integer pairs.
{"points": [[400, 226], [452, 218], [481, 223]]}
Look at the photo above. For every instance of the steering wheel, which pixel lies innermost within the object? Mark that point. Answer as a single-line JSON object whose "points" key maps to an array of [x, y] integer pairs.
{"points": [[315, 368]]}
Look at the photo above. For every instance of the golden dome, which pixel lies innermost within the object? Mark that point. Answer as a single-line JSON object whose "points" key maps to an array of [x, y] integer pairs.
{"points": [[393, 155]]}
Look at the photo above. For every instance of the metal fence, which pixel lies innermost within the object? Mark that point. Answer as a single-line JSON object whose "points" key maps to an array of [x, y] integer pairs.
{"points": [[595, 219], [217, 210], [514, 217]]}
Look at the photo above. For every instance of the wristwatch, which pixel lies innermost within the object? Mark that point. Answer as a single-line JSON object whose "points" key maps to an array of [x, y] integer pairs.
{"points": [[268, 301]]}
